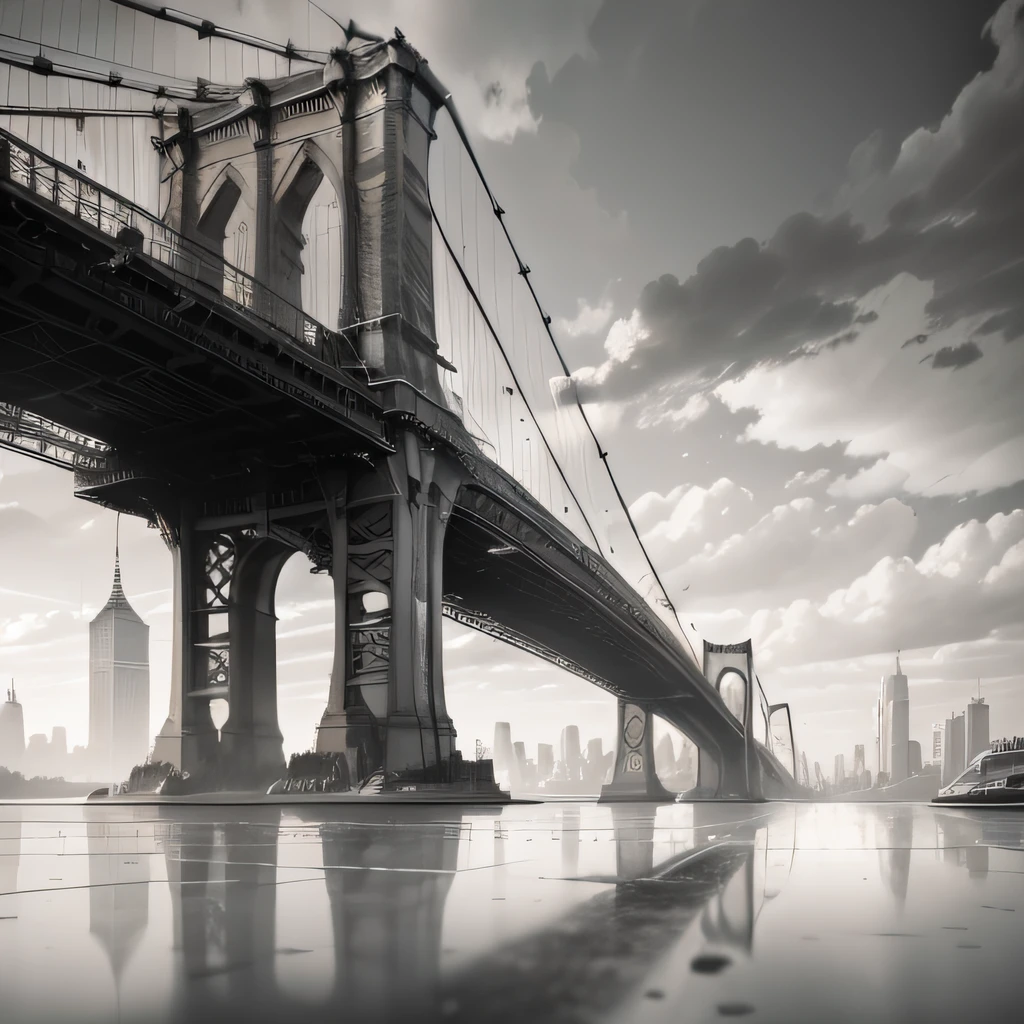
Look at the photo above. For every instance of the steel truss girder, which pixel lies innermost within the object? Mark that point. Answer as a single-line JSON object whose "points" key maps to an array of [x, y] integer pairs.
{"points": [[39, 438], [485, 624]]}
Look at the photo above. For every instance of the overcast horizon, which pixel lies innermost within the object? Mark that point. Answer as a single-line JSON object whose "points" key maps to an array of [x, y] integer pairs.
{"points": [[783, 249]]}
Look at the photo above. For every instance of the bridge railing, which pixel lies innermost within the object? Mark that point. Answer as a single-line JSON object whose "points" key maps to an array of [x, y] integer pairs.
{"points": [[138, 230]]}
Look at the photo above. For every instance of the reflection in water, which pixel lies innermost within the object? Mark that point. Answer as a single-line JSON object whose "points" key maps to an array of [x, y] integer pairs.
{"points": [[389, 914], [118, 893], [896, 848], [591, 958], [222, 878], [426, 914], [570, 840], [967, 839], [386, 888], [10, 851]]}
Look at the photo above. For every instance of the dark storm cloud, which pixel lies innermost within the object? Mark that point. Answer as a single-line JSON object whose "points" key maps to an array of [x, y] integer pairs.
{"points": [[955, 356], [961, 227]]}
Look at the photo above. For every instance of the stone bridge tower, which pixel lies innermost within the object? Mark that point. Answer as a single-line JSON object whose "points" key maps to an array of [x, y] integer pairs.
{"points": [[240, 180]]}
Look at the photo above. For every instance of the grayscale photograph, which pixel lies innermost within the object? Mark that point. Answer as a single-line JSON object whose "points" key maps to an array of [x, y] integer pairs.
{"points": [[511, 510]]}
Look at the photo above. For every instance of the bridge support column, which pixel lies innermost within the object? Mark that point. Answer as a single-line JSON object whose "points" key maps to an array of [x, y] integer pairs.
{"points": [[419, 736], [386, 709], [634, 777], [634, 843], [251, 745], [724, 778], [188, 739], [331, 734]]}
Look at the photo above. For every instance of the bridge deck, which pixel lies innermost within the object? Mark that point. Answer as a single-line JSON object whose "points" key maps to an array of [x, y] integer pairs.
{"points": [[146, 358]]}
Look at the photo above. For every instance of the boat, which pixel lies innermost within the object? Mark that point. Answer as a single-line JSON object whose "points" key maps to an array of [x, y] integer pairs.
{"points": [[994, 778]]}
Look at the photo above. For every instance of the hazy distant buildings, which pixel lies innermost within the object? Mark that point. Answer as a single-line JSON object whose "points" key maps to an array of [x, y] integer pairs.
{"points": [[952, 749], [572, 757], [505, 767], [976, 727], [58, 749], [914, 758], [893, 726], [118, 686], [12, 732], [37, 756], [858, 760], [49, 758], [545, 761], [839, 772]]}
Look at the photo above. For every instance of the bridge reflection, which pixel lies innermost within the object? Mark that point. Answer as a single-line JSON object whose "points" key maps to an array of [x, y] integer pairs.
{"points": [[552, 913], [388, 884]]}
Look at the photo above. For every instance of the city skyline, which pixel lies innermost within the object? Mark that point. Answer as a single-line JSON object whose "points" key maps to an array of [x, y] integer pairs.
{"points": [[77, 740], [832, 531]]}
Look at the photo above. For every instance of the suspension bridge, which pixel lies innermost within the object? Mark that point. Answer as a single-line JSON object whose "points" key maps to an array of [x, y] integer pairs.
{"points": [[263, 297]]}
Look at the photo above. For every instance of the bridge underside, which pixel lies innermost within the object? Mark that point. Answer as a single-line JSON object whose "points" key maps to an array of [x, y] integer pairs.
{"points": [[483, 572], [161, 368]]}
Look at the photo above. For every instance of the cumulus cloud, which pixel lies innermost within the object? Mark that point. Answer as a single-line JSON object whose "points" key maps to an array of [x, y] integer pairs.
{"points": [[949, 212], [798, 548], [952, 433], [961, 589], [681, 522], [588, 319]]}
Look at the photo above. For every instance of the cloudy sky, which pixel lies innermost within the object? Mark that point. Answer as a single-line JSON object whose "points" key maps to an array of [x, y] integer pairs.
{"points": [[783, 246]]}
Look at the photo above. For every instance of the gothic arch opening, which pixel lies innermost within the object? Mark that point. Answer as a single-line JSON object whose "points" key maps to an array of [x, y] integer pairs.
{"points": [[322, 249], [227, 226], [310, 250]]}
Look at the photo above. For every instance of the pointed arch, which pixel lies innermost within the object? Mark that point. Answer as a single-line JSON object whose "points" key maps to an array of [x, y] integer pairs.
{"points": [[218, 202], [310, 224], [227, 213]]}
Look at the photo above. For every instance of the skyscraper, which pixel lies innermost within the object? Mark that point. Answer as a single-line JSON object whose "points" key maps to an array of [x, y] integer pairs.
{"points": [[938, 734], [118, 686], [506, 768], [893, 730], [839, 772], [952, 749], [12, 732], [572, 757], [858, 760], [914, 758], [545, 761], [977, 729]]}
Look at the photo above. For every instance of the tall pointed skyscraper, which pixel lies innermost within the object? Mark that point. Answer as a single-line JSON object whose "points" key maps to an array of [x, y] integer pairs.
{"points": [[118, 686], [893, 732], [12, 732]]}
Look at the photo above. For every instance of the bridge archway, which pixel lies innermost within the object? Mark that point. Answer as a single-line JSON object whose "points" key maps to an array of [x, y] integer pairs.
{"points": [[308, 251], [227, 218], [304, 611], [731, 685]]}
